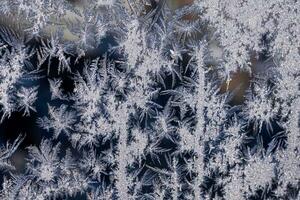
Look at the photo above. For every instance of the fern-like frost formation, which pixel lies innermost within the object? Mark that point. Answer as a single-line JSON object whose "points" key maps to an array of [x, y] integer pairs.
{"points": [[149, 99]]}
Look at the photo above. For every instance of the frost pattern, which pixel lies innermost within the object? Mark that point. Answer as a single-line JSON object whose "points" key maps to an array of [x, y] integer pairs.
{"points": [[140, 99]]}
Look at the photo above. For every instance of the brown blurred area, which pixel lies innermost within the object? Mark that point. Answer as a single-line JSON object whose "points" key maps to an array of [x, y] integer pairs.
{"points": [[239, 81]]}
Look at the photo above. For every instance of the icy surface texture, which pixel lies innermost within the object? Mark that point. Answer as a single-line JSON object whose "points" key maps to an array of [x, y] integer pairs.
{"points": [[149, 99]]}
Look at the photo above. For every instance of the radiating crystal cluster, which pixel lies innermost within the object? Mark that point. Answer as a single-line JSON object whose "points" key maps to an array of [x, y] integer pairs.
{"points": [[149, 99]]}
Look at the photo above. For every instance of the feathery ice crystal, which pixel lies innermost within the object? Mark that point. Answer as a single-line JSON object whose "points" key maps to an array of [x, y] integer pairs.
{"points": [[150, 99]]}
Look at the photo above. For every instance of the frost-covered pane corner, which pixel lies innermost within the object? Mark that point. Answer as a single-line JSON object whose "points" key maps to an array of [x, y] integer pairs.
{"points": [[149, 99]]}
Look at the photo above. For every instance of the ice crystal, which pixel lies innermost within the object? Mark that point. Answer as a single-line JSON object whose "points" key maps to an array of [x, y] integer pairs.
{"points": [[149, 99]]}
